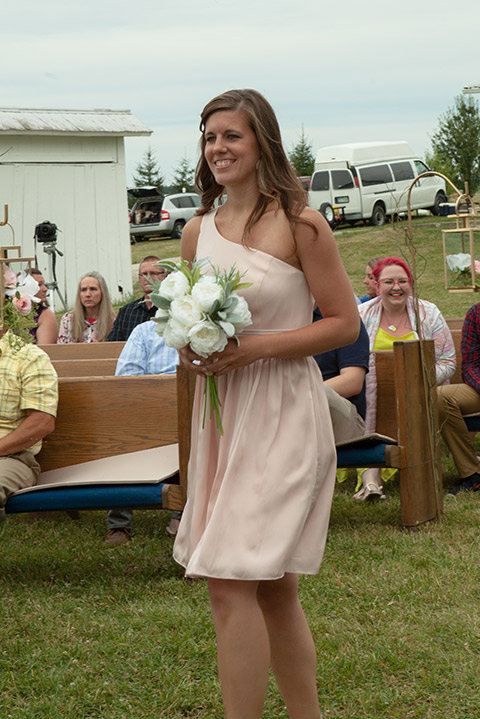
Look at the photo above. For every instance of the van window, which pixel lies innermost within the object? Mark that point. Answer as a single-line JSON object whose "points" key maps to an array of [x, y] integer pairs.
{"points": [[320, 181], [342, 180], [402, 171], [375, 175], [420, 167]]}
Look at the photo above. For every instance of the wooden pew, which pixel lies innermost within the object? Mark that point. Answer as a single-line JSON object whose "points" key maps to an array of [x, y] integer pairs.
{"points": [[101, 367], [107, 416], [103, 417], [403, 415], [455, 323], [83, 350]]}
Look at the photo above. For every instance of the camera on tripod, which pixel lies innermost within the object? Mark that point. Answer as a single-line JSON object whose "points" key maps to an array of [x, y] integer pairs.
{"points": [[46, 232]]}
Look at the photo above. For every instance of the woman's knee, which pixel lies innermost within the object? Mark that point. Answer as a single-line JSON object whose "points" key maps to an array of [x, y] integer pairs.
{"points": [[278, 594], [228, 595]]}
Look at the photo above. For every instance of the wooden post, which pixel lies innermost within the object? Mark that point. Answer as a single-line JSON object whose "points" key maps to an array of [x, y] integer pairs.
{"points": [[175, 496], [421, 475]]}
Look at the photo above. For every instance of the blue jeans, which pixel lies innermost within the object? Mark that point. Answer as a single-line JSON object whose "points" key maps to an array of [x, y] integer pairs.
{"points": [[122, 518]]}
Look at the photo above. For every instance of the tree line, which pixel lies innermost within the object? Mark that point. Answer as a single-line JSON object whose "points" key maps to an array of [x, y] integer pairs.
{"points": [[455, 152]]}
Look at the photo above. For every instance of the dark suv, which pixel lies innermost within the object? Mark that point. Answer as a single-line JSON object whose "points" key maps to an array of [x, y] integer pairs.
{"points": [[155, 215]]}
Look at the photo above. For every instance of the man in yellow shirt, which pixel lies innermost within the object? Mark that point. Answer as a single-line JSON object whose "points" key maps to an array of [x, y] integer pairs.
{"points": [[29, 396]]}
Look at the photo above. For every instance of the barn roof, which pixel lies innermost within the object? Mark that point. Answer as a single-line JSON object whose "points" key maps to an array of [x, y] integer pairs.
{"points": [[16, 121]]}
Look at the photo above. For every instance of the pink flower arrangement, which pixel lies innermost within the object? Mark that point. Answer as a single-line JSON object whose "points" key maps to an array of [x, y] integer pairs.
{"points": [[22, 304], [477, 267]]}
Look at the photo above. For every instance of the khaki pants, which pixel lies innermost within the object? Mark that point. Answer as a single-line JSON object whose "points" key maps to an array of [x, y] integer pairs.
{"points": [[17, 471], [454, 401], [347, 423]]}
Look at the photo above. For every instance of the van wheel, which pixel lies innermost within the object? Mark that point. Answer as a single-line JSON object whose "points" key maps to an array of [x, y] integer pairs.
{"points": [[177, 230], [378, 216], [327, 211], [435, 209]]}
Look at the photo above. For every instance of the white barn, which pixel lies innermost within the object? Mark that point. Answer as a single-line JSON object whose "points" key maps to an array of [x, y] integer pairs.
{"points": [[68, 167]]}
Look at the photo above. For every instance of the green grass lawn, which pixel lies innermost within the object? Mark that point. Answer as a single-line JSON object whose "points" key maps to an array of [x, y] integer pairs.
{"points": [[359, 244], [92, 632]]}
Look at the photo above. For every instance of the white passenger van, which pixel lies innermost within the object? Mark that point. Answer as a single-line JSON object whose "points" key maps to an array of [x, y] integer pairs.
{"points": [[370, 180]]}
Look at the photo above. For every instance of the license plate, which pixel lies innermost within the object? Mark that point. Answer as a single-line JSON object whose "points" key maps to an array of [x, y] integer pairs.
{"points": [[342, 200]]}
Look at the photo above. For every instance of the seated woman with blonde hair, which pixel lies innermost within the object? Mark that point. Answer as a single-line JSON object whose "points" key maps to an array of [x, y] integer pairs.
{"points": [[92, 318]]}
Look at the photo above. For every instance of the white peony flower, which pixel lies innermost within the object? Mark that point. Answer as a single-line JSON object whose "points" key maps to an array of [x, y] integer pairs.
{"points": [[161, 318], [459, 263], [205, 338], [186, 311], [207, 292], [174, 285], [162, 314], [175, 334], [241, 316]]}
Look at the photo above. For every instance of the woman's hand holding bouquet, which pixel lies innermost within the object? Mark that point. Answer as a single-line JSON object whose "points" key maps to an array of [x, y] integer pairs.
{"points": [[200, 314]]}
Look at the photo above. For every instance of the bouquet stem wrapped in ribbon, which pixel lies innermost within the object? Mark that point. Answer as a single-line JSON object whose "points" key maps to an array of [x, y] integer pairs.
{"points": [[203, 311]]}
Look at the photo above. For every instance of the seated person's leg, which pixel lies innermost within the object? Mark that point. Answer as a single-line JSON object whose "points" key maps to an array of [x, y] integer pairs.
{"points": [[17, 471], [119, 523], [455, 401], [347, 423]]}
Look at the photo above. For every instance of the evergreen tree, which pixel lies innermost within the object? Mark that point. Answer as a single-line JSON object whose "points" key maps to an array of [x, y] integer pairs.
{"points": [[183, 179], [148, 171], [301, 156], [456, 143]]}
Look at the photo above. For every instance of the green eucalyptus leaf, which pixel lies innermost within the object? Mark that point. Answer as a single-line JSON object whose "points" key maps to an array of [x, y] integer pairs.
{"points": [[159, 301], [227, 327]]}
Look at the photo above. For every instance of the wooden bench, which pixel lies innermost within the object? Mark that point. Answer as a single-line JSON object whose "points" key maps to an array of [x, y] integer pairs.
{"points": [[101, 367], [404, 415], [103, 417], [84, 350], [455, 323]]}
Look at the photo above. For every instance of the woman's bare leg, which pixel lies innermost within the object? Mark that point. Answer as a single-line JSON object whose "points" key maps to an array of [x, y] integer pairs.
{"points": [[293, 655], [242, 647]]}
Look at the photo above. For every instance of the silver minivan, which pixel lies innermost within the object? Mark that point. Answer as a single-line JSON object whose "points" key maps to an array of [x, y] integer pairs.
{"points": [[155, 215], [370, 181]]}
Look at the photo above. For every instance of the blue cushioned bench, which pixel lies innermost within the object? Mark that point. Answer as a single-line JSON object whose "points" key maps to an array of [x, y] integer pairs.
{"points": [[106, 419]]}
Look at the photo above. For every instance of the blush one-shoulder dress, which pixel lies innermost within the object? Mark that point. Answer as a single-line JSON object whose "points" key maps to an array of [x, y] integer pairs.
{"points": [[259, 496]]}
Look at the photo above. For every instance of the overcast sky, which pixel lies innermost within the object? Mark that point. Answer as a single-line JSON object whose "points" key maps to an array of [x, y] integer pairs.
{"points": [[345, 70]]}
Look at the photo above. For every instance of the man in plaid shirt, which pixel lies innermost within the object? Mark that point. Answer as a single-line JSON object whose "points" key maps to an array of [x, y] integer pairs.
{"points": [[457, 400], [29, 392], [141, 310]]}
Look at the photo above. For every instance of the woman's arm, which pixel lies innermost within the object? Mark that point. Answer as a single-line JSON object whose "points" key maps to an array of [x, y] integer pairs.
{"points": [[445, 355], [47, 328], [188, 245]]}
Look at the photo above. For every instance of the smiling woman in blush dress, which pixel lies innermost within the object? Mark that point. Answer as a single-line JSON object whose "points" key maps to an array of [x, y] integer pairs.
{"points": [[260, 494]]}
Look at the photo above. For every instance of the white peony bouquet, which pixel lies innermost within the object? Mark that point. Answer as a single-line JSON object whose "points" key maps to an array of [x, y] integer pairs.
{"points": [[202, 311]]}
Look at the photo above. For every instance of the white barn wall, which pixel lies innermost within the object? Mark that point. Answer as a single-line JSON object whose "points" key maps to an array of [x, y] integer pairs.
{"points": [[79, 183]]}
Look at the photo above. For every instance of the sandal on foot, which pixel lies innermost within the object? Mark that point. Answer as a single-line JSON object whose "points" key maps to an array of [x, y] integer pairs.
{"points": [[372, 492]]}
